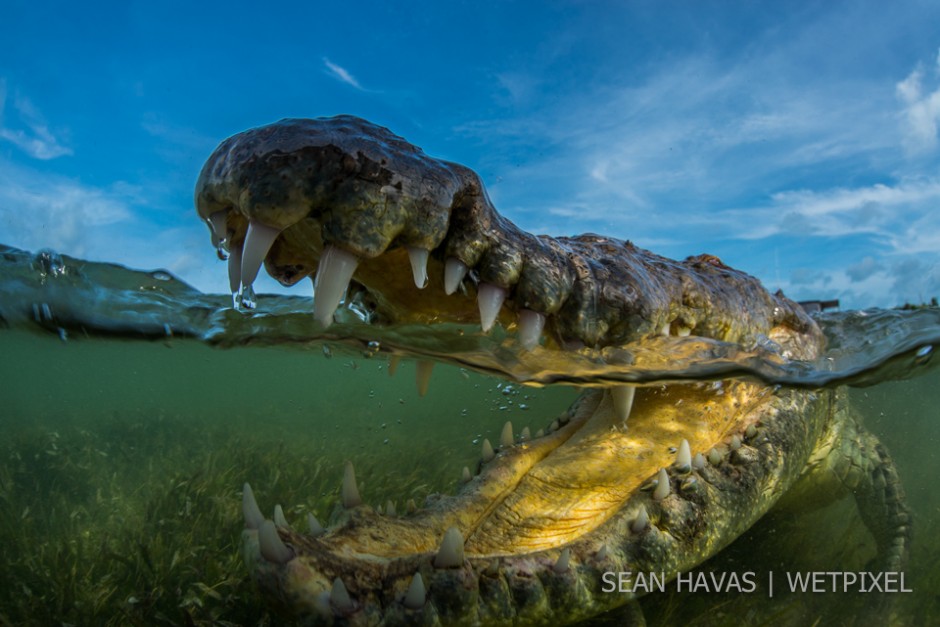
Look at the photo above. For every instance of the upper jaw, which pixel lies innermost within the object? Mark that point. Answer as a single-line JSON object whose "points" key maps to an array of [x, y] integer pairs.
{"points": [[298, 192]]}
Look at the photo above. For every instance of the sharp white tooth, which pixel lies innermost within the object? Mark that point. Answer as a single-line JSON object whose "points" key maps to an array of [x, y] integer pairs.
{"points": [[454, 272], [339, 597], [334, 272], [641, 521], [378, 510], [735, 442], [250, 509], [465, 476], [419, 265], [423, 376], [217, 223], [272, 548], [554, 426], [698, 462], [662, 487], [602, 552], [393, 363], [531, 324], [622, 398], [234, 270], [665, 330], [258, 242], [684, 332], [410, 506], [279, 521], [540, 433], [526, 434], [314, 526], [714, 457], [684, 456], [490, 298], [561, 566], [505, 438], [416, 595], [390, 509], [450, 555], [350, 493], [488, 452]]}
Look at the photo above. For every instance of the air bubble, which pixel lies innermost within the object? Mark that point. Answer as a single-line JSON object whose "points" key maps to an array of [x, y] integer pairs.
{"points": [[923, 355]]}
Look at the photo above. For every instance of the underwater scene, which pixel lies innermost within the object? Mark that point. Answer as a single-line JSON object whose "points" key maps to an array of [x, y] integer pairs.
{"points": [[135, 408]]}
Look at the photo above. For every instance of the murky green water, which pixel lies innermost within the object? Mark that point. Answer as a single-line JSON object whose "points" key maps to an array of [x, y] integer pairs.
{"points": [[133, 409]]}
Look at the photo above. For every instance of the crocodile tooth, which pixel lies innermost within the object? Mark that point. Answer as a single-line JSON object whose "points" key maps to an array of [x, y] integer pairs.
{"points": [[314, 526], [642, 520], [751, 431], [272, 547], [350, 492], [684, 457], [450, 555], [488, 452], [490, 298], [217, 224], [465, 476], [684, 332], [279, 520], [423, 375], [602, 552], [554, 426], [505, 437], [540, 433], [698, 462], [390, 509], [258, 242], [416, 595], [419, 265], [250, 509], [410, 506], [393, 362], [339, 597], [526, 434], [334, 272], [454, 272], [561, 566], [714, 457], [378, 509], [234, 270], [665, 329], [622, 398], [735, 443], [531, 324], [662, 487]]}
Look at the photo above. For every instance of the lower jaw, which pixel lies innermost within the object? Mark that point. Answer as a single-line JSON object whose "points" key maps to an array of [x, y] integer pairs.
{"points": [[372, 568]]}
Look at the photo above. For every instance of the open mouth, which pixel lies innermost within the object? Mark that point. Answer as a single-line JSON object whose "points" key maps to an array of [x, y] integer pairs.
{"points": [[630, 478]]}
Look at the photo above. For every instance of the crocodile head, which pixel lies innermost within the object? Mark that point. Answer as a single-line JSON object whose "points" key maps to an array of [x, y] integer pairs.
{"points": [[639, 479]]}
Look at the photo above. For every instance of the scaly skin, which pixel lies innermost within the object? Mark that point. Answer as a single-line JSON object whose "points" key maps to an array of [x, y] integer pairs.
{"points": [[542, 521]]}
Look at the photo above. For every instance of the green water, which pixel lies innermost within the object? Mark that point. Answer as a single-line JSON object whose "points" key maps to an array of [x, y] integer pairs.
{"points": [[122, 460], [122, 463]]}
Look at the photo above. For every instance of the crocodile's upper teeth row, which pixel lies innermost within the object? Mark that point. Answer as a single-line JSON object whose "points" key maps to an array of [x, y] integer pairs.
{"points": [[337, 266]]}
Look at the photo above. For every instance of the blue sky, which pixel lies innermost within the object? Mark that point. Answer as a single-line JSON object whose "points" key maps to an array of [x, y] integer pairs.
{"points": [[797, 141]]}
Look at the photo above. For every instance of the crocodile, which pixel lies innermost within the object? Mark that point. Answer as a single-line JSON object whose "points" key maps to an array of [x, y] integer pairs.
{"points": [[630, 479]]}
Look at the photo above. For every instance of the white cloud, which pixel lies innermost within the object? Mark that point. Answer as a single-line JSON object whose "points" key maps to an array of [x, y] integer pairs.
{"points": [[921, 114], [29, 131], [40, 210], [341, 74], [110, 224]]}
